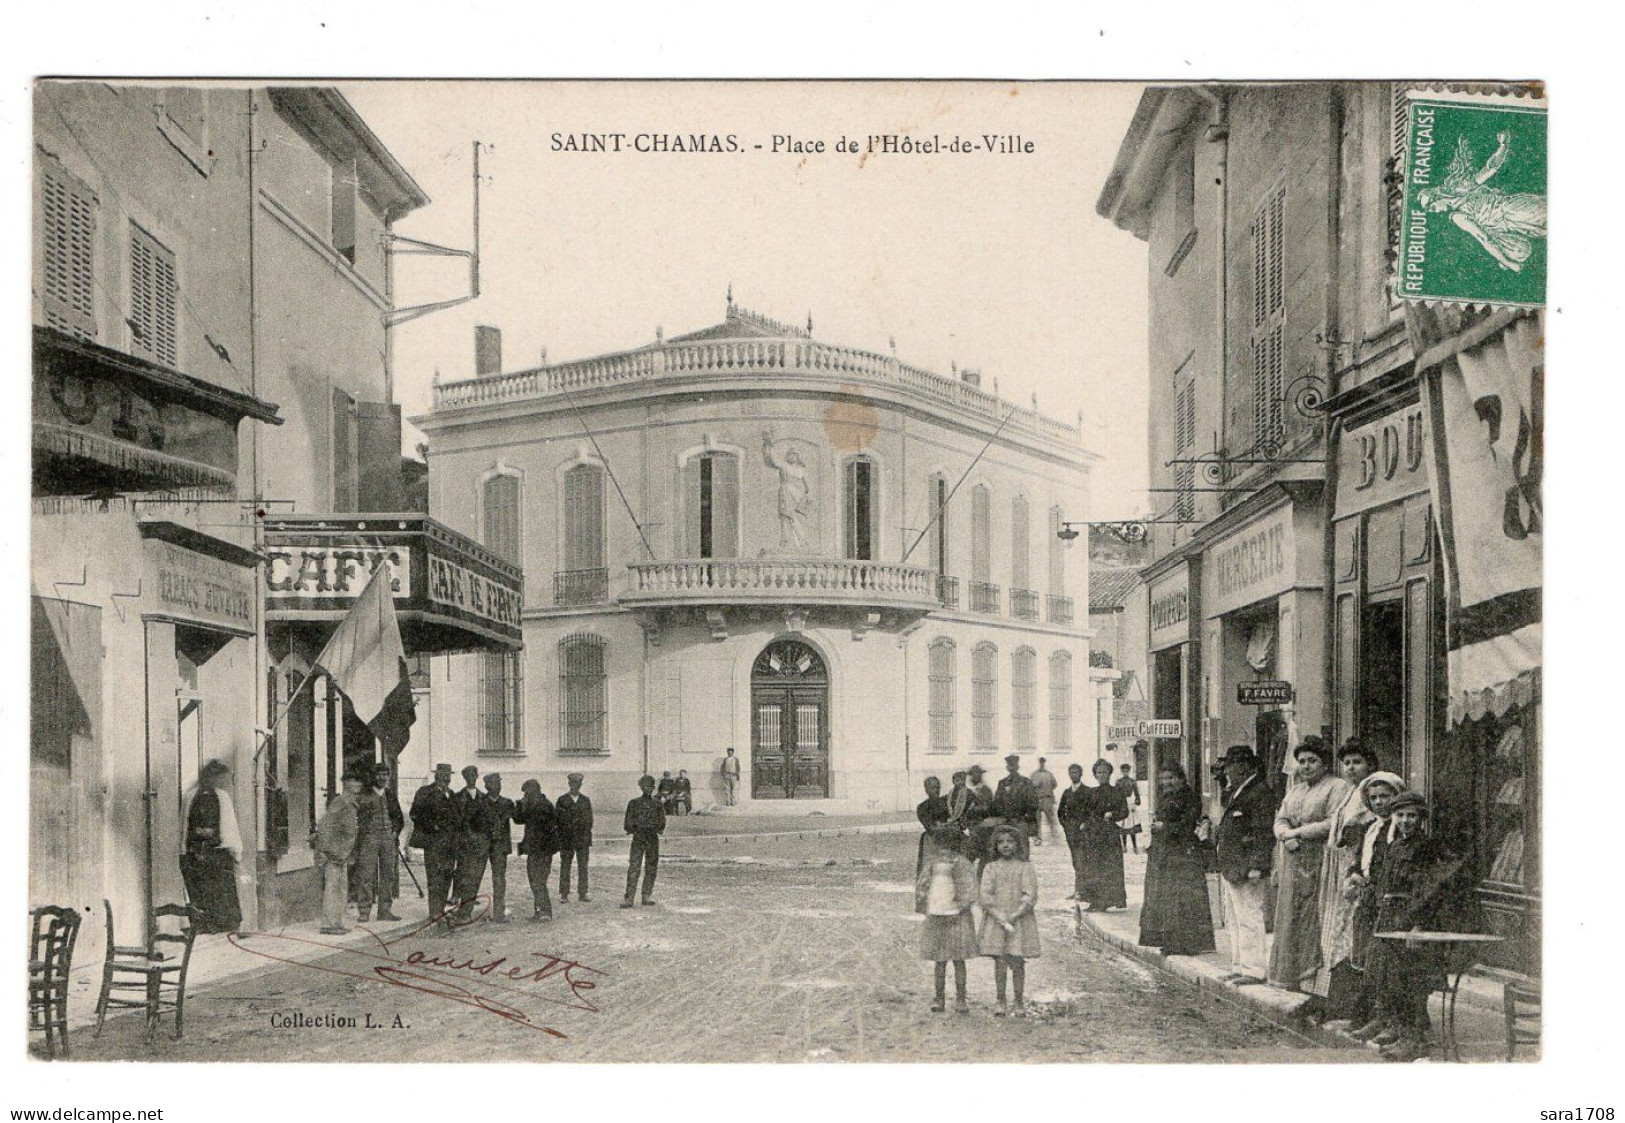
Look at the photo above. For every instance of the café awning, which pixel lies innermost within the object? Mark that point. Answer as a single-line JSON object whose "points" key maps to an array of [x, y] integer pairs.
{"points": [[451, 594]]}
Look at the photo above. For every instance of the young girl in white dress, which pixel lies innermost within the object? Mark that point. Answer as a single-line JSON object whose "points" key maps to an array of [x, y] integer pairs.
{"points": [[1009, 927], [945, 891]]}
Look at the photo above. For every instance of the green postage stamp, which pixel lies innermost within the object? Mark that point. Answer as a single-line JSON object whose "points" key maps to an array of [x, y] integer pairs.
{"points": [[1473, 227]]}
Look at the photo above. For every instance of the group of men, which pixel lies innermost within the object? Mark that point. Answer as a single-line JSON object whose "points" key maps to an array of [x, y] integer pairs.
{"points": [[676, 794], [356, 846]]}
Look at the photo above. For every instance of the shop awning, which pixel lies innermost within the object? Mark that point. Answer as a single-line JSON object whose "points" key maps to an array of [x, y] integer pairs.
{"points": [[451, 593], [1484, 389], [106, 421]]}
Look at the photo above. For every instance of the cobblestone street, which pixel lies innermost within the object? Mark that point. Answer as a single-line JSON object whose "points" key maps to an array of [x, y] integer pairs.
{"points": [[764, 949]]}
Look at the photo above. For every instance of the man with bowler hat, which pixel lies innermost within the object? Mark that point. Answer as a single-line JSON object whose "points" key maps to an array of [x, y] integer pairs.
{"points": [[645, 819], [540, 843], [1015, 801], [574, 813], [1244, 840], [498, 815], [435, 828]]}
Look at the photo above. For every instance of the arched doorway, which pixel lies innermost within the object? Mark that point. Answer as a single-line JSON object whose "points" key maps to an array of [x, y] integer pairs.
{"points": [[789, 705]]}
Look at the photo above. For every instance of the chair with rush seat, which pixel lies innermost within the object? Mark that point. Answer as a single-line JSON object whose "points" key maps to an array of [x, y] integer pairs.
{"points": [[1520, 1002], [150, 978], [53, 932]]}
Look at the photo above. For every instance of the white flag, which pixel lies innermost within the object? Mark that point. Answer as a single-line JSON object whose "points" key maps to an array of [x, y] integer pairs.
{"points": [[365, 658]]}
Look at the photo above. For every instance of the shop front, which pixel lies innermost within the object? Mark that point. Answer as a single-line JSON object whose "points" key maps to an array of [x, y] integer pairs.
{"points": [[451, 595], [1262, 628], [1175, 665]]}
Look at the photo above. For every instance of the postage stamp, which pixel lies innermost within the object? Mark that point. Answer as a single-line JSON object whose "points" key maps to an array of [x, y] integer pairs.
{"points": [[1473, 227]]}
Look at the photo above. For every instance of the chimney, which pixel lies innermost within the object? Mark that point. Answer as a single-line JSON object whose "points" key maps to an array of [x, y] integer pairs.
{"points": [[487, 350], [971, 375]]}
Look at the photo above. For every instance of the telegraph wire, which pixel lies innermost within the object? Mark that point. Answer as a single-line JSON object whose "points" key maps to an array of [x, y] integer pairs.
{"points": [[604, 460], [937, 514]]}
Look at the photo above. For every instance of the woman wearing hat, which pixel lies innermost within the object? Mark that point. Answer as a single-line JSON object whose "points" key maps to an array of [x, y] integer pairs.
{"points": [[1301, 827], [1177, 916], [1356, 763], [1101, 843]]}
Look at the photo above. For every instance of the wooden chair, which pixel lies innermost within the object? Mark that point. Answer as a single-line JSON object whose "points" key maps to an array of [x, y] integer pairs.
{"points": [[53, 932], [149, 978], [1520, 1002]]}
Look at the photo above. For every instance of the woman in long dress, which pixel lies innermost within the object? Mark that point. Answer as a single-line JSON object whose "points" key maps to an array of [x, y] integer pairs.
{"points": [[1101, 843], [214, 845], [1337, 981], [1301, 827], [1176, 916]]}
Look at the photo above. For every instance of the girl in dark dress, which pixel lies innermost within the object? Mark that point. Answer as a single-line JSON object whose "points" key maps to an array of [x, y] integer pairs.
{"points": [[1176, 916], [209, 866], [1101, 846]]}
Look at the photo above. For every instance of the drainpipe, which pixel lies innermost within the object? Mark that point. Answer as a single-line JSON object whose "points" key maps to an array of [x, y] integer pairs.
{"points": [[1331, 431], [1218, 132]]}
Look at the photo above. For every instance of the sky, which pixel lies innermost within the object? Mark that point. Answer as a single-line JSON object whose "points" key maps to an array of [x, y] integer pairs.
{"points": [[994, 261]]}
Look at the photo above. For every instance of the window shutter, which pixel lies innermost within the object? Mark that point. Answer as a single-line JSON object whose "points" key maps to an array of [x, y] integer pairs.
{"points": [[68, 217], [724, 505], [1020, 541], [939, 530], [378, 459], [1057, 554], [345, 424], [502, 517], [1277, 243], [153, 297], [691, 507], [584, 517], [850, 477], [980, 515]]}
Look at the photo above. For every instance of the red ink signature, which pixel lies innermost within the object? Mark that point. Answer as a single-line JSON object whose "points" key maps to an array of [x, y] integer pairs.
{"points": [[480, 983]]}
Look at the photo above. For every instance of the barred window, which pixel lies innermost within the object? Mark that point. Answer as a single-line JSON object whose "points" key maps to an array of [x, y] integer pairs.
{"points": [[501, 691], [583, 696], [68, 234], [1060, 702], [1023, 699], [985, 696], [942, 657], [154, 297]]}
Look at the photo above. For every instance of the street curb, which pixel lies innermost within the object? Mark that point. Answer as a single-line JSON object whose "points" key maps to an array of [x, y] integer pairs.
{"points": [[815, 832], [1278, 1012]]}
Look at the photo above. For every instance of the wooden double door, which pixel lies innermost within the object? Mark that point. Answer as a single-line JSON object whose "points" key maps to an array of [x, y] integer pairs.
{"points": [[790, 742]]}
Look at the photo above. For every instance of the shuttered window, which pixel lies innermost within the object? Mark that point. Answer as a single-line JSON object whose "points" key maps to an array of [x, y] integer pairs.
{"points": [[583, 696], [1024, 699], [1020, 545], [501, 688], [711, 505], [985, 697], [938, 491], [501, 517], [1057, 554], [1394, 177], [584, 518], [981, 515], [68, 222], [1268, 240], [862, 521], [942, 670], [1060, 702], [154, 296], [342, 208], [1185, 441]]}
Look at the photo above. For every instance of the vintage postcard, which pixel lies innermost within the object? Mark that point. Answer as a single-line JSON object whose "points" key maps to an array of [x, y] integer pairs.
{"points": [[888, 571]]}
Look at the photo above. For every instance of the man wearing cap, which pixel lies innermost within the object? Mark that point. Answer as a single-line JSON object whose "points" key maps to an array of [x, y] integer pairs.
{"points": [[498, 813], [574, 814], [976, 816], [730, 778], [334, 842], [645, 820], [1015, 801], [1074, 809], [1043, 782], [1244, 840], [473, 843], [378, 829], [435, 827]]}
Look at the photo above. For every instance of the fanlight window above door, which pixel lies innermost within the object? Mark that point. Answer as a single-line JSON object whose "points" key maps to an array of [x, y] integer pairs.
{"points": [[789, 659]]}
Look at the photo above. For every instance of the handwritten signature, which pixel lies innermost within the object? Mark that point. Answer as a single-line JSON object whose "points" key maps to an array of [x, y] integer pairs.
{"points": [[493, 985]]}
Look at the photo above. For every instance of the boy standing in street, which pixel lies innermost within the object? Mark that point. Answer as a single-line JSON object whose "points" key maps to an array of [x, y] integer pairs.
{"points": [[645, 820], [498, 811], [334, 843]]}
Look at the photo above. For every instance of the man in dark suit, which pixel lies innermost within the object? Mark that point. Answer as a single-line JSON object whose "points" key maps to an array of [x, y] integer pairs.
{"points": [[574, 812], [1244, 840], [540, 843], [1072, 811], [1016, 801], [473, 844], [435, 827], [497, 817], [645, 820]]}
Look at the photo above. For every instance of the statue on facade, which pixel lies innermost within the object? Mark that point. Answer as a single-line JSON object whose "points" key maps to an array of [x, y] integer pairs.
{"points": [[795, 498]]}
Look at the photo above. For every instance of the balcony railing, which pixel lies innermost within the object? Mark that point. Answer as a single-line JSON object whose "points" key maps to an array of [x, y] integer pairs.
{"points": [[1024, 604], [575, 587], [1060, 609], [984, 597], [947, 591], [725, 581]]}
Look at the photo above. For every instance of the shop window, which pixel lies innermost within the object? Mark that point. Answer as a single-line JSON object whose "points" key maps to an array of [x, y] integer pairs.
{"points": [[711, 483], [862, 508], [1060, 702], [154, 298], [583, 696], [984, 697], [942, 670], [68, 251], [1024, 700]]}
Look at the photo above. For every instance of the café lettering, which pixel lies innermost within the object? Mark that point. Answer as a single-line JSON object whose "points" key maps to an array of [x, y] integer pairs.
{"points": [[335, 571]]}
